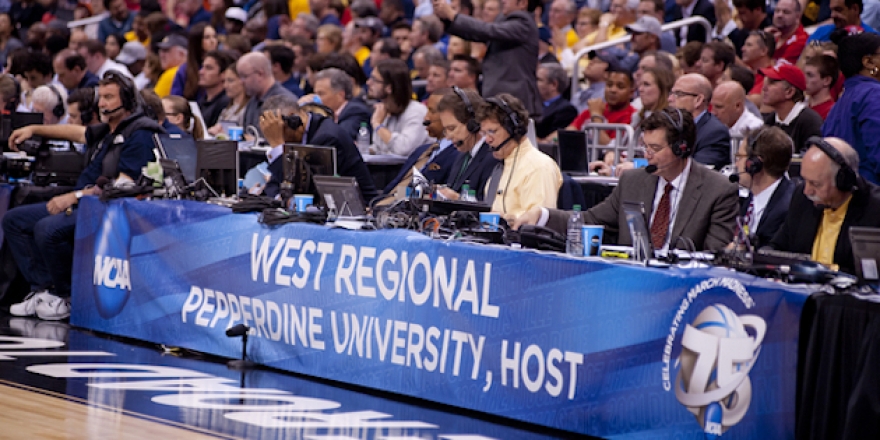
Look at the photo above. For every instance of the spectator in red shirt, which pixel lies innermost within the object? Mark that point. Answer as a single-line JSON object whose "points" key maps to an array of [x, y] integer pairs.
{"points": [[615, 110], [821, 73], [788, 30]]}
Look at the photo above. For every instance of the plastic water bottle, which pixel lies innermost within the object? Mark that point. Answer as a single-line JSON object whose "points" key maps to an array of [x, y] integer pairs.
{"points": [[465, 193], [363, 139], [575, 244]]}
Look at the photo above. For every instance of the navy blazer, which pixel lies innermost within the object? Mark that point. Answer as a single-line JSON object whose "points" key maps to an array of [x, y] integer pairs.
{"points": [[703, 8], [774, 213], [477, 173], [436, 170], [352, 115], [802, 221], [713, 142], [324, 132], [558, 114]]}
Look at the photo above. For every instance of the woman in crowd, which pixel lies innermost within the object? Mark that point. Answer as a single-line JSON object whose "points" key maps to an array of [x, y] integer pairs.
{"points": [[218, 14], [179, 113], [232, 115], [202, 39], [152, 70], [329, 39], [8, 43], [113, 45], [855, 117], [457, 46], [654, 90]]}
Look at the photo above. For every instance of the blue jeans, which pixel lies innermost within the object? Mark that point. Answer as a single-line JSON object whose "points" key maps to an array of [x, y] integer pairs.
{"points": [[42, 245]]}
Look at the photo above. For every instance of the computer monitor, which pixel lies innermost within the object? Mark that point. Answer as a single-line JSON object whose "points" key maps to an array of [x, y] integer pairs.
{"points": [[341, 194], [216, 162], [14, 121], [573, 157], [866, 252], [181, 149], [321, 160], [637, 221]]}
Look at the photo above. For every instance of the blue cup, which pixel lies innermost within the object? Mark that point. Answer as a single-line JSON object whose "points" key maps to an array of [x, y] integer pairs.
{"points": [[301, 201], [640, 162], [235, 133], [490, 221], [592, 235]]}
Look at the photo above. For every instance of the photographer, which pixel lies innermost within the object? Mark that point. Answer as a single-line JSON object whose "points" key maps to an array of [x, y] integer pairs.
{"points": [[41, 235]]}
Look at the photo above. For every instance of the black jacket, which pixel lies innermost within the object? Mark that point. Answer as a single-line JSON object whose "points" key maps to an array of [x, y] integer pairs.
{"points": [[351, 116], [477, 173], [798, 232], [436, 170], [774, 213], [557, 115], [696, 32], [713, 142], [324, 132]]}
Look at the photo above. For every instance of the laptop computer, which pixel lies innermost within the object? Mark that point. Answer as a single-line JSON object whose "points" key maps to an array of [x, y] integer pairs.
{"points": [[637, 221], [341, 195], [573, 152], [866, 252], [181, 149]]}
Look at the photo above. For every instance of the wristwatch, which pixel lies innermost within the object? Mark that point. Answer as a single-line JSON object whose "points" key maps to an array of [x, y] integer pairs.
{"points": [[78, 194]]}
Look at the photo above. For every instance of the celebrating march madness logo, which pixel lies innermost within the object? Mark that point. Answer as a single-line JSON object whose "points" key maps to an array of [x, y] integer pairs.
{"points": [[718, 350], [112, 276]]}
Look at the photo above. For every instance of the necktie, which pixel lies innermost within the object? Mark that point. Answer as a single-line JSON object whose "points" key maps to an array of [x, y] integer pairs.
{"points": [[660, 225], [750, 216], [494, 181], [464, 165]]}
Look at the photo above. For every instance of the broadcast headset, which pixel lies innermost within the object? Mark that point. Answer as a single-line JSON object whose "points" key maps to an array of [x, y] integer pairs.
{"points": [[58, 111], [131, 99], [680, 147], [512, 125], [754, 164], [846, 178], [473, 127]]}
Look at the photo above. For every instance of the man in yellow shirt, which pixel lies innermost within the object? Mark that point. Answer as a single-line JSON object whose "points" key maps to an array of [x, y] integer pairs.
{"points": [[526, 178], [562, 14], [832, 198], [172, 53]]}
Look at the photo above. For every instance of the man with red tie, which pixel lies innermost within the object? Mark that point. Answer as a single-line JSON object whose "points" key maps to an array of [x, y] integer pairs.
{"points": [[684, 199]]}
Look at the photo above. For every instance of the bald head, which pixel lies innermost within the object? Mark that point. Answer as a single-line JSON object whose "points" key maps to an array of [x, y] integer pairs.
{"points": [[255, 71], [692, 93], [728, 102], [819, 172]]}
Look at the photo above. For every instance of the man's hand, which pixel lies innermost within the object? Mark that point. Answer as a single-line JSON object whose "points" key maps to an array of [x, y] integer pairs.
{"points": [[306, 99], [623, 166], [61, 203], [560, 39], [443, 10], [596, 106], [19, 136], [775, 32], [600, 167], [379, 114], [722, 14], [273, 127], [448, 193], [530, 217]]}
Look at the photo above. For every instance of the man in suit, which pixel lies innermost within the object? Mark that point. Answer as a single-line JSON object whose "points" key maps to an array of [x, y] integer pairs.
{"points": [[313, 129], [334, 88], [433, 159], [558, 111], [761, 162], [685, 200], [514, 36], [474, 163], [679, 9], [832, 199], [692, 93]]}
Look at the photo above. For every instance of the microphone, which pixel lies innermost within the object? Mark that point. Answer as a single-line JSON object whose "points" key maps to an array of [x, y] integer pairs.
{"points": [[650, 169], [458, 143], [237, 330], [501, 145], [426, 123], [102, 181], [110, 112]]}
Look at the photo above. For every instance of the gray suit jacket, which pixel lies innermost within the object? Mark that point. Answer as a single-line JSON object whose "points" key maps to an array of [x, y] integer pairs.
{"points": [[706, 212], [511, 56]]}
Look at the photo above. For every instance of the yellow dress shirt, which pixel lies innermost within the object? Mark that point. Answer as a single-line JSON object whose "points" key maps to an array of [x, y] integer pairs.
{"points": [[163, 86], [534, 182], [826, 236], [361, 55]]}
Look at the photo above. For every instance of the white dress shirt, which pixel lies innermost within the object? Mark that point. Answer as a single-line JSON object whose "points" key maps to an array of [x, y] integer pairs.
{"points": [[759, 205], [678, 185], [747, 121]]}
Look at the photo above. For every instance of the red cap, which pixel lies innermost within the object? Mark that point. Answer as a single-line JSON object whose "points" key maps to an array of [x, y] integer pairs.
{"points": [[786, 72]]}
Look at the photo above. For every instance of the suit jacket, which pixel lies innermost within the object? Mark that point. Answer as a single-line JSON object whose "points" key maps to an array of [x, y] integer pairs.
{"points": [[798, 232], [774, 213], [703, 8], [559, 114], [713, 142], [351, 116], [511, 37], [478, 172], [437, 170], [706, 212], [324, 132]]}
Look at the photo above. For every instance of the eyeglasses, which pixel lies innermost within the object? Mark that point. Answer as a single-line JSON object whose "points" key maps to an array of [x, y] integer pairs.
{"points": [[245, 76], [376, 80], [490, 133], [681, 94]]}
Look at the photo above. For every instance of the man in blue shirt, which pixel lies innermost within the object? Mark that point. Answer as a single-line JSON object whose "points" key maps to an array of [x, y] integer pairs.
{"points": [[119, 21], [41, 235], [846, 14]]}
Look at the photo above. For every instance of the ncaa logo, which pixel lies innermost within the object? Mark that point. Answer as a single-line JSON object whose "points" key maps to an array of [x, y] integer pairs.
{"points": [[719, 348], [112, 275]]}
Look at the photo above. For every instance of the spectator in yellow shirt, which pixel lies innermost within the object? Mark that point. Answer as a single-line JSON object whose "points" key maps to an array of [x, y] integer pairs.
{"points": [[172, 53]]}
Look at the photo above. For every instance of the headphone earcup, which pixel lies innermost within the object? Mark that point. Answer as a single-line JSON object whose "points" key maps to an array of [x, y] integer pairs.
{"points": [[754, 165], [846, 179], [473, 126], [293, 121]]}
